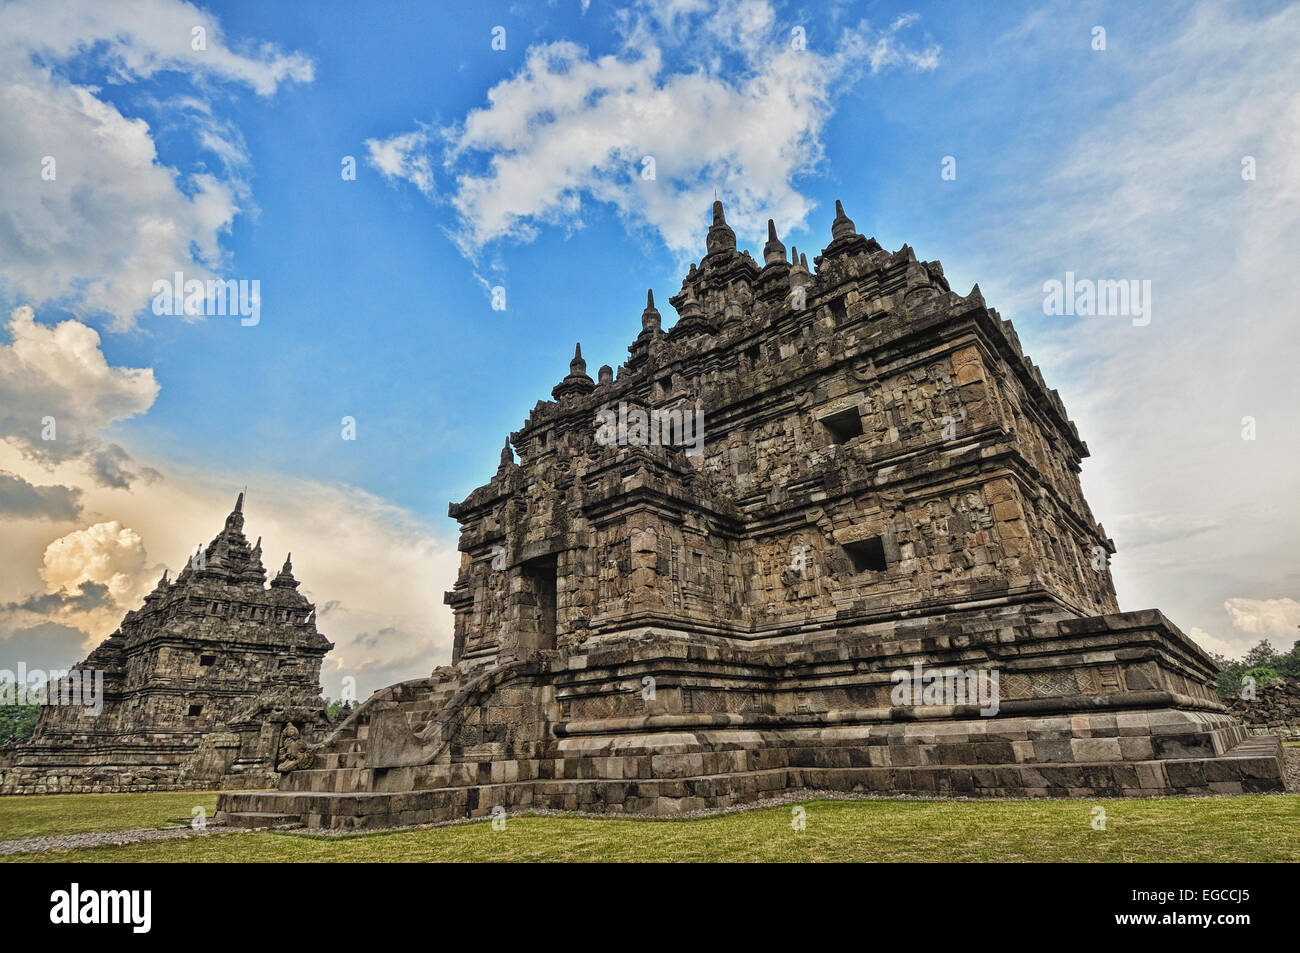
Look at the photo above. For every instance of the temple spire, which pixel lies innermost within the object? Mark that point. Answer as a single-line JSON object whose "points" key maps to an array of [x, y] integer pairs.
{"points": [[721, 238], [577, 381], [284, 579], [774, 250], [843, 226], [235, 521], [651, 320]]}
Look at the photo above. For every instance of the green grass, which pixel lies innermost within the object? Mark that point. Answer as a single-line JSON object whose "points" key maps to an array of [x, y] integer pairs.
{"points": [[42, 815], [1258, 828]]}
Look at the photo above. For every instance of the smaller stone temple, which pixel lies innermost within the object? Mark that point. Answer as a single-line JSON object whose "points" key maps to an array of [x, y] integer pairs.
{"points": [[213, 682]]}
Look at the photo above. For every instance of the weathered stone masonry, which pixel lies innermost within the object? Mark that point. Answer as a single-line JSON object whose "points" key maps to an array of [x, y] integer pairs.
{"points": [[885, 480]]}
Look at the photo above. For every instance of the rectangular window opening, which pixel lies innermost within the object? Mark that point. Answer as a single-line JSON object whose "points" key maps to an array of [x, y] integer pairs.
{"points": [[838, 311], [868, 555], [844, 426]]}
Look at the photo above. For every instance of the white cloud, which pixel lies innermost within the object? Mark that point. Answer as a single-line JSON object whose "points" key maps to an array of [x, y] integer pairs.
{"points": [[108, 554], [60, 372], [404, 156], [114, 218], [1150, 187], [739, 109], [89, 578], [1263, 617]]}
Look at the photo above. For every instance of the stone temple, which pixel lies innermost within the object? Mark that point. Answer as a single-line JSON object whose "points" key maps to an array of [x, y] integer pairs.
{"points": [[213, 682], [879, 487]]}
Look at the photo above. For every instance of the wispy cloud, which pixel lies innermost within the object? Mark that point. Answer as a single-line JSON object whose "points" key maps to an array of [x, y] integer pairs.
{"points": [[1151, 187]]}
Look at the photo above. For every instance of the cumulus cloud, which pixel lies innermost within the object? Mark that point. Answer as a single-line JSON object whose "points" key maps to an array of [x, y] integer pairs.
{"points": [[58, 391], [92, 576], [738, 104], [1279, 617], [22, 500], [104, 554], [91, 215]]}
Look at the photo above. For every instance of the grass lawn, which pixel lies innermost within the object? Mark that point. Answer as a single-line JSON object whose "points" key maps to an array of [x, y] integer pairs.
{"points": [[1259, 828], [42, 815]]}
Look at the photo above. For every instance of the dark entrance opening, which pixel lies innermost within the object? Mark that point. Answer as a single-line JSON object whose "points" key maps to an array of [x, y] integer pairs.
{"points": [[541, 576]]}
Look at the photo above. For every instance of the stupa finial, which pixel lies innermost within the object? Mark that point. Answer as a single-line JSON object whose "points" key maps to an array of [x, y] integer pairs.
{"points": [[774, 250]]}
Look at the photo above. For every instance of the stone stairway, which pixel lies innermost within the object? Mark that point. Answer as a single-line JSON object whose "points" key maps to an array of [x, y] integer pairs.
{"points": [[340, 764]]}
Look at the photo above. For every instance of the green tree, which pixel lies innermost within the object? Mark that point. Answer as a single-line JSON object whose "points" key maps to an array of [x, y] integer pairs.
{"points": [[19, 721], [1263, 663], [1262, 655]]}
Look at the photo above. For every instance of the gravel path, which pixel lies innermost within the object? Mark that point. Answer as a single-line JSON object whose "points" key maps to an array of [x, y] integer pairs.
{"points": [[105, 838]]}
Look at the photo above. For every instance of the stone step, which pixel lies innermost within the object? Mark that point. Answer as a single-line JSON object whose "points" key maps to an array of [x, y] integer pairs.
{"points": [[335, 760], [250, 820], [327, 779], [428, 710], [1254, 746]]}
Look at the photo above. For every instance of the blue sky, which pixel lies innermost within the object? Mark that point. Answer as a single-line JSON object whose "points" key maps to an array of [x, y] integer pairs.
{"points": [[519, 167]]}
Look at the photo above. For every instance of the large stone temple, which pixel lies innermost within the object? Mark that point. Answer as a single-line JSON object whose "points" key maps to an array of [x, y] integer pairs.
{"points": [[213, 682], [782, 549]]}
